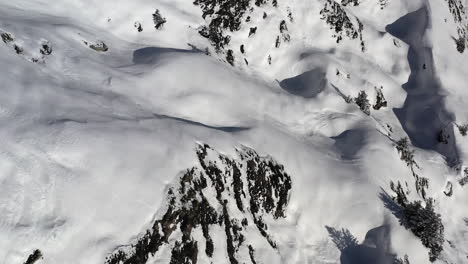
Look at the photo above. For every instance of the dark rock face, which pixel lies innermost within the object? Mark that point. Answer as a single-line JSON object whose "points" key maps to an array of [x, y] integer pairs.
{"points": [[231, 193], [339, 20]]}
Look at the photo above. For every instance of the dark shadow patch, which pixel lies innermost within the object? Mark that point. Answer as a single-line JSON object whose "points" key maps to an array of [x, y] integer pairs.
{"points": [[150, 55], [350, 142], [423, 114], [308, 84], [230, 129]]}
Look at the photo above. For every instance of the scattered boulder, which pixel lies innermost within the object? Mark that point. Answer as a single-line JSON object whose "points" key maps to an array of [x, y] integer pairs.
{"points": [[99, 46]]}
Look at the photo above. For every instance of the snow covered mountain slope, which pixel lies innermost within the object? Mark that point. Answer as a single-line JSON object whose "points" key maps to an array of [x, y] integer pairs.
{"points": [[218, 131]]}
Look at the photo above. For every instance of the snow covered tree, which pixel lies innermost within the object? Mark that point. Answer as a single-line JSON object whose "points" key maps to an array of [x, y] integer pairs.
{"points": [[463, 129]]}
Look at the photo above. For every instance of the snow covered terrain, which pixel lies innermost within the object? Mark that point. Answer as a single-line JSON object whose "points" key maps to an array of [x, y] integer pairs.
{"points": [[220, 131]]}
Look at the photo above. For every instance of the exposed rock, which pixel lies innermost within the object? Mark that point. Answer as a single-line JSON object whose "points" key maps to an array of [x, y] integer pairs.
{"points": [[98, 46]]}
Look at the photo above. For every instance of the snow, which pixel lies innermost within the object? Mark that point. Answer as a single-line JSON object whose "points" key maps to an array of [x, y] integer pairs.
{"points": [[91, 140]]}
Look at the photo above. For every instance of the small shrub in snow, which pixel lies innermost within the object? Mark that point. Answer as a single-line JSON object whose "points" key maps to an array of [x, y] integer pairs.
{"points": [[407, 155], [363, 103], [35, 256], [18, 49], [290, 16], [463, 129], [277, 42], [443, 137], [138, 26], [46, 48], [347, 2], [158, 19], [230, 57], [464, 180], [461, 44], [404, 260], [6, 37], [380, 100], [283, 27], [252, 31]]}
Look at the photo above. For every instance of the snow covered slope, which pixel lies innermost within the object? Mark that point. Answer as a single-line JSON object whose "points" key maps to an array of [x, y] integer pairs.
{"points": [[218, 131]]}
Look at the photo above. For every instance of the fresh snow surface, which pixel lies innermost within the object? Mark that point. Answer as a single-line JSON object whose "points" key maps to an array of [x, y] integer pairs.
{"points": [[91, 141]]}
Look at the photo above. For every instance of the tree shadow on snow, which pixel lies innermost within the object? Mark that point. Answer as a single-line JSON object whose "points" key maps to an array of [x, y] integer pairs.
{"points": [[374, 249]]}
